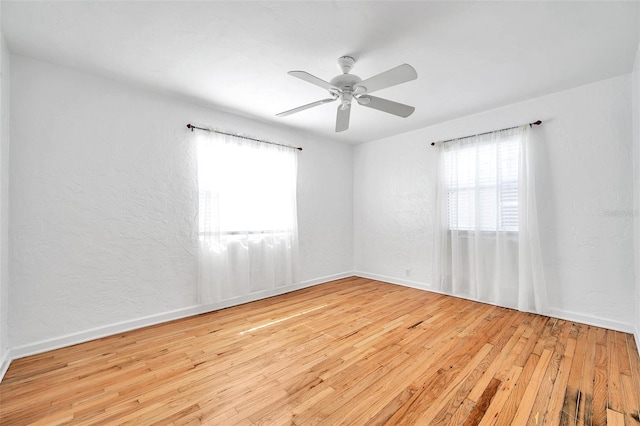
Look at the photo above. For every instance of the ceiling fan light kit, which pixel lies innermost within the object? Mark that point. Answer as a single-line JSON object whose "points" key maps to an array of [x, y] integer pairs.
{"points": [[346, 87]]}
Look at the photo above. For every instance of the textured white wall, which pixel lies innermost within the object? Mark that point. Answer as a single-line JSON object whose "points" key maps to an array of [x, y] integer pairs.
{"points": [[584, 188], [636, 181], [635, 118], [4, 198], [103, 201]]}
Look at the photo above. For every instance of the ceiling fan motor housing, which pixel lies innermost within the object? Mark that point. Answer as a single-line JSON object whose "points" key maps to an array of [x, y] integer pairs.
{"points": [[346, 82]]}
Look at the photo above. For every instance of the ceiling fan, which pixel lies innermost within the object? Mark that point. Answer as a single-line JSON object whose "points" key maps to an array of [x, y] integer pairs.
{"points": [[347, 87]]}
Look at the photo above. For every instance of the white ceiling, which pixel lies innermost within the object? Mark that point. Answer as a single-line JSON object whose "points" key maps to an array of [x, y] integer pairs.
{"points": [[234, 55]]}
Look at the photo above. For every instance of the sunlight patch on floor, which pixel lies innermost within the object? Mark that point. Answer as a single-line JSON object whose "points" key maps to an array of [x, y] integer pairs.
{"points": [[283, 319]]}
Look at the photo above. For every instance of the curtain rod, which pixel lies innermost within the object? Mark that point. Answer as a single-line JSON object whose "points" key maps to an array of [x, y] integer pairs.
{"points": [[191, 127], [537, 123]]}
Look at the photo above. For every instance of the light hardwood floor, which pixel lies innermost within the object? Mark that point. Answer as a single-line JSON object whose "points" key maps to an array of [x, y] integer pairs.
{"points": [[352, 351]]}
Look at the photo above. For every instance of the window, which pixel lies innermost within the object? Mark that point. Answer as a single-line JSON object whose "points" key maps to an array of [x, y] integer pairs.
{"points": [[482, 186], [486, 245], [248, 239], [245, 187]]}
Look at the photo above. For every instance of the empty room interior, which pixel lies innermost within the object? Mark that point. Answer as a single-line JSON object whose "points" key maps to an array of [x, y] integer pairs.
{"points": [[320, 212]]}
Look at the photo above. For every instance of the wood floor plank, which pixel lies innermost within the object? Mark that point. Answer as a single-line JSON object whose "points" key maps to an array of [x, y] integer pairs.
{"points": [[501, 396], [614, 385], [510, 407], [482, 404], [528, 398], [585, 408], [599, 405], [352, 351], [538, 411], [634, 361], [614, 418], [573, 394], [462, 414], [498, 363]]}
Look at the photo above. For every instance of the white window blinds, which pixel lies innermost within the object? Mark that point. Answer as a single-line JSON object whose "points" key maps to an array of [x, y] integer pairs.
{"points": [[482, 185]]}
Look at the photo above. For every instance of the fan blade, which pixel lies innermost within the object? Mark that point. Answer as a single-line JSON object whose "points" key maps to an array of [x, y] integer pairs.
{"points": [[395, 108], [398, 75], [313, 80], [342, 120], [307, 106]]}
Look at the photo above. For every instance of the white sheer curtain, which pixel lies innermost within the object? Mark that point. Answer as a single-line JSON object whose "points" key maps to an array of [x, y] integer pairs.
{"points": [[486, 236], [248, 238]]}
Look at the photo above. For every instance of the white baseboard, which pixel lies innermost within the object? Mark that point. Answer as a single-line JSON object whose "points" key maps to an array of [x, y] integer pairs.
{"points": [[591, 320], [415, 284], [326, 279], [637, 337], [553, 312], [120, 327], [5, 360], [392, 280]]}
